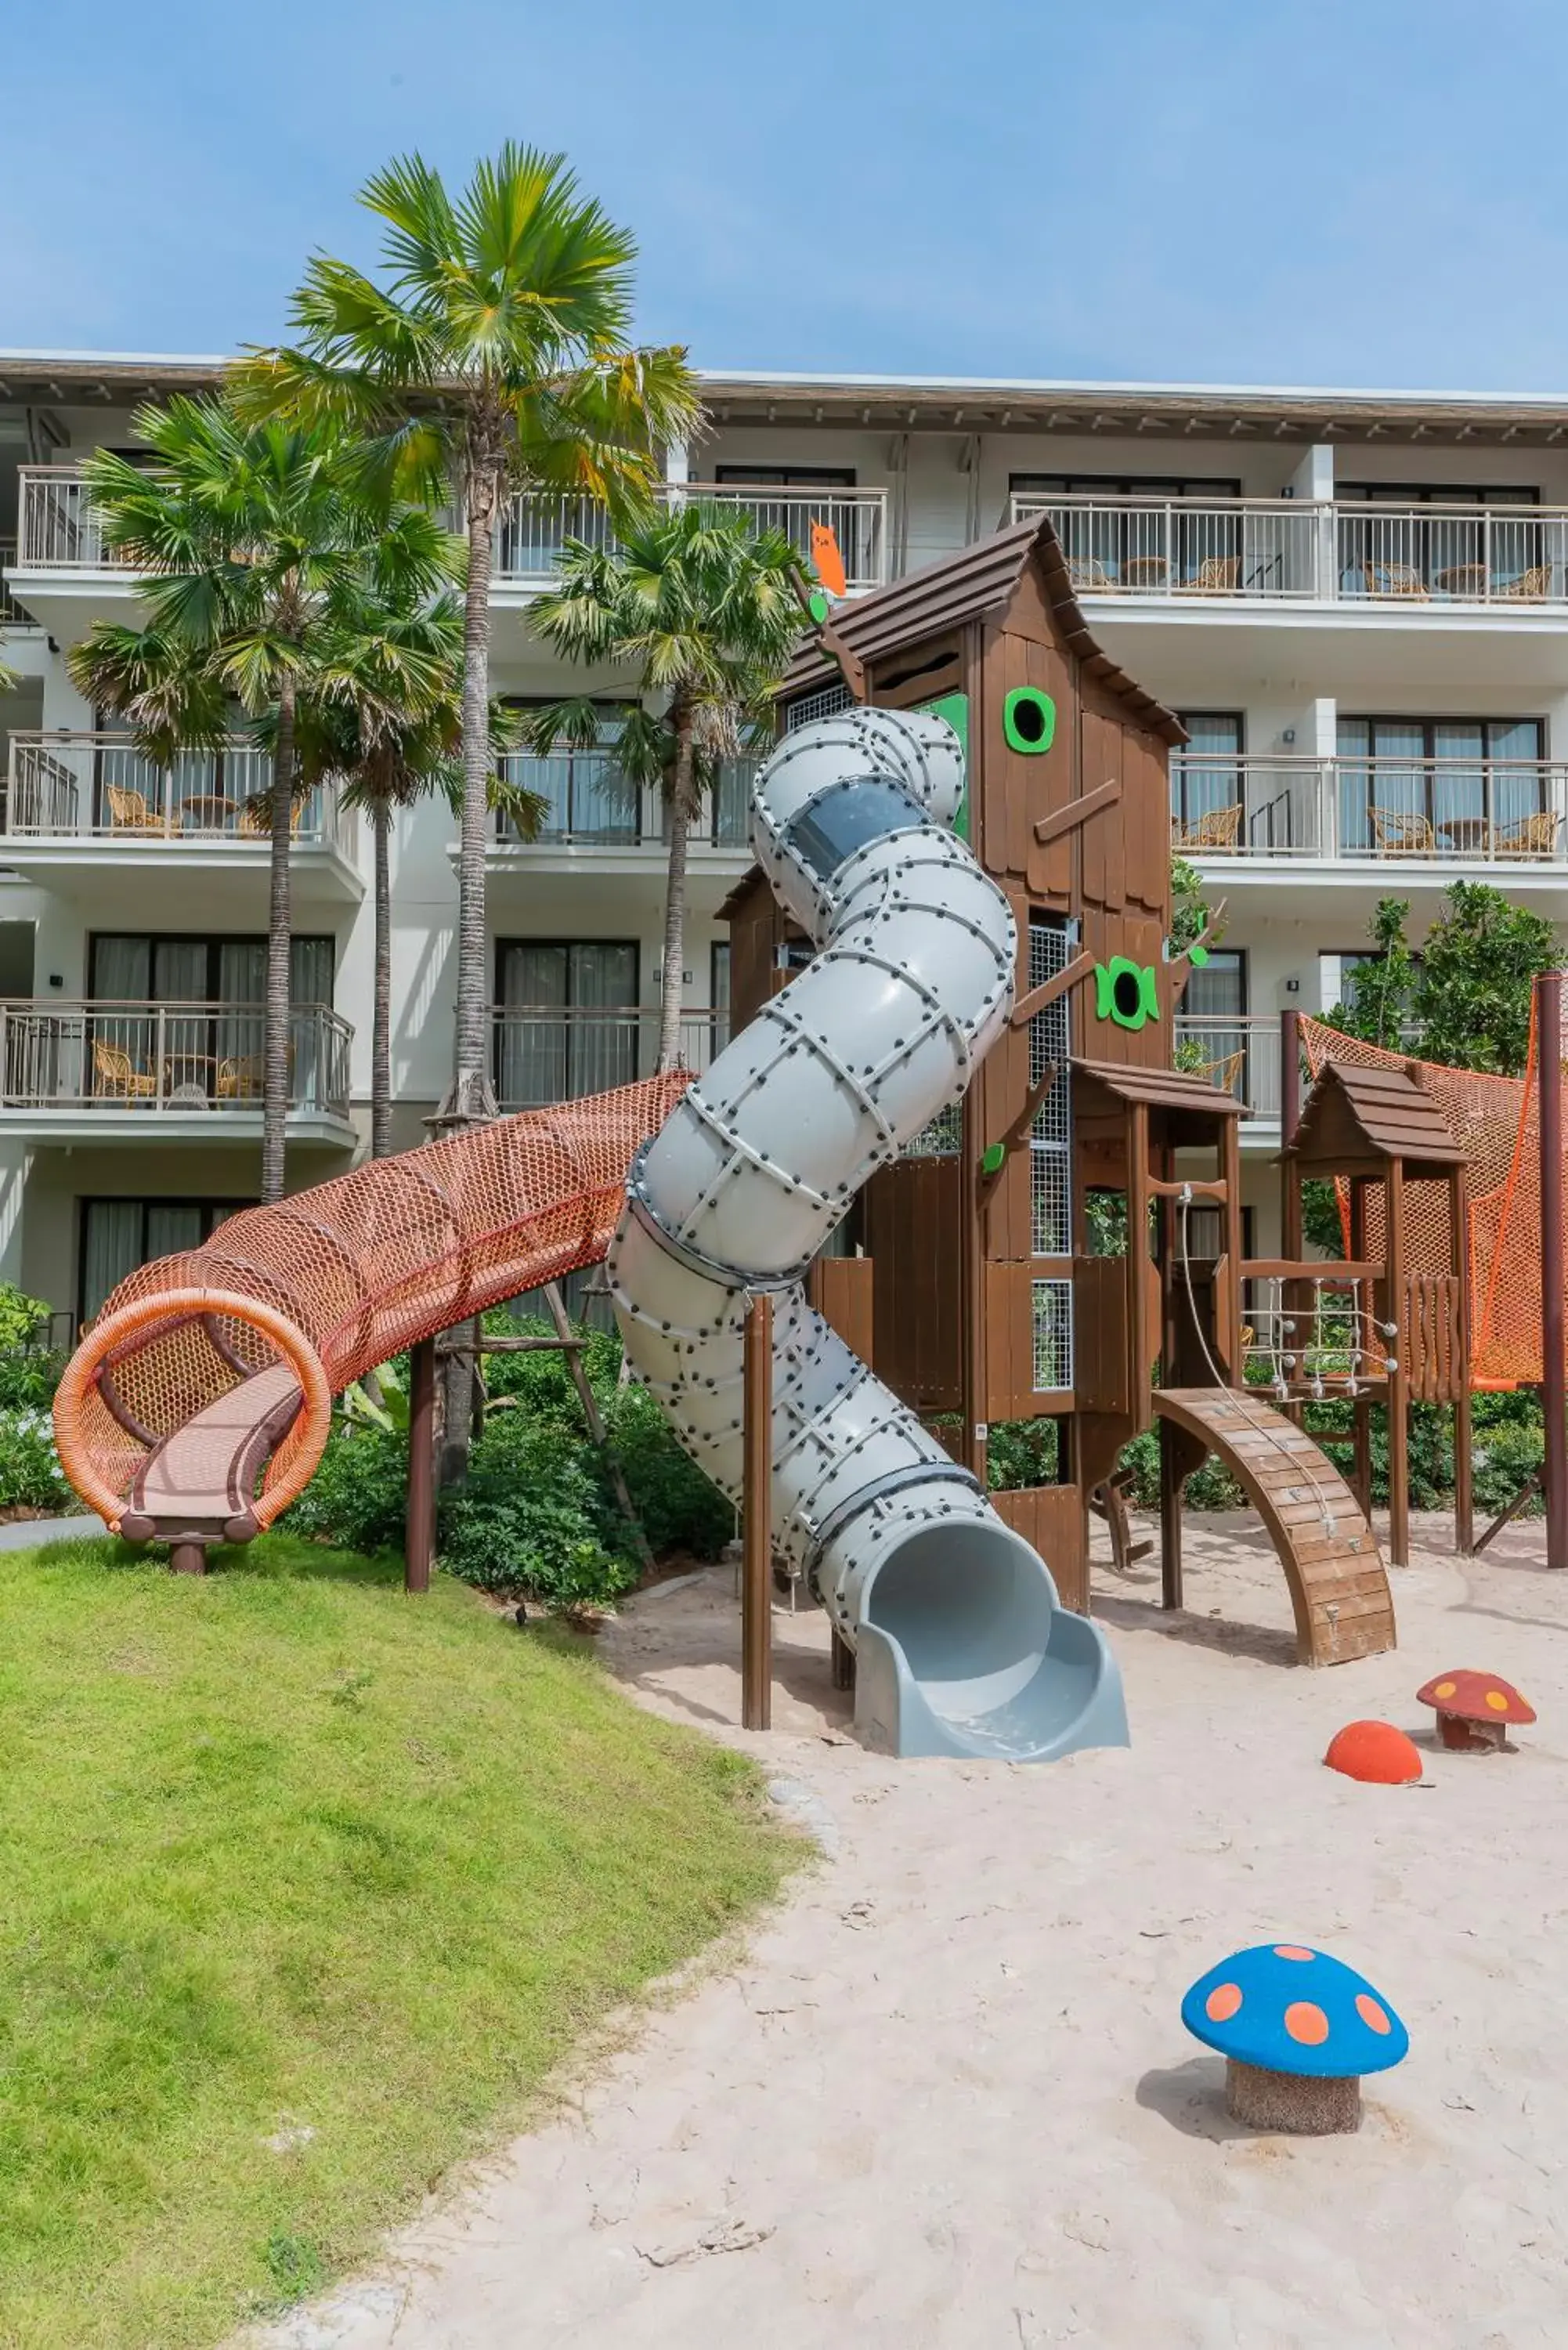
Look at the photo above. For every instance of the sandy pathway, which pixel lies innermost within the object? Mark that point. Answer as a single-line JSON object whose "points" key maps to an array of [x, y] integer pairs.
{"points": [[946, 2098]]}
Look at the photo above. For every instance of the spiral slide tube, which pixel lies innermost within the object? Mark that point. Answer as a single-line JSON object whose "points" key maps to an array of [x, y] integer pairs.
{"points": [[961, 1645]]}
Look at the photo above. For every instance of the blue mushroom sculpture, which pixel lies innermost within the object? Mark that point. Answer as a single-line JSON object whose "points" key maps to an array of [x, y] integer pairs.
{"points": [[1297, 2030]]}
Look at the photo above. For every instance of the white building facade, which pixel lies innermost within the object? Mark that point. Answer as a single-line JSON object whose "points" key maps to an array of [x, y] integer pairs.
{"points": [[1357, 602]]}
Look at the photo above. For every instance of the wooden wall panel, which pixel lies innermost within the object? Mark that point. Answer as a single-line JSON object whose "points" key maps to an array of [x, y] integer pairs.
{"points": [[1051, 1520], [1100, 1345], [841, 1289], [1009, 1391], [755, 928], [1146, 789], [913, 1220]]}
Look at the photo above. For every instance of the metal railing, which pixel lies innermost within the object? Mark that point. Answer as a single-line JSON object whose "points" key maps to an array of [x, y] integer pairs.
{"points": [[102, 787], [589, 804], [58, 527], [1457, 811], [534, 525], [99, 1054], [1272, 550], [1240, 1054], [12, 615], [549, 1053]]}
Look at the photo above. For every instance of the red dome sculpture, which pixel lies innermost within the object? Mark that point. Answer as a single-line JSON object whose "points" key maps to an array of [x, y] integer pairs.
{"points": [[1376, 1752]]}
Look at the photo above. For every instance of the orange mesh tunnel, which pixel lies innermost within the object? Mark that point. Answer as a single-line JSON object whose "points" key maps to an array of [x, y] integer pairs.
{"points": [[198, 1403]]}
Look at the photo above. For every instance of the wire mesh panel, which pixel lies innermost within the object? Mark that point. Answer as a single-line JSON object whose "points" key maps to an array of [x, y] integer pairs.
{"points": [[942, 1139], [1051, 1139], [825, 704], [1052, 1337]]}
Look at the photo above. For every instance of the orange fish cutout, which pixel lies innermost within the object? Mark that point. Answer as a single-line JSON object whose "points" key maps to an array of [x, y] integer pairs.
{"points": [[827, 561]]}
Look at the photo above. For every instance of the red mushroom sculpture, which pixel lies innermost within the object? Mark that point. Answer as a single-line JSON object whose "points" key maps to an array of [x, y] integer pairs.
{"points": [[1474, 1710]]}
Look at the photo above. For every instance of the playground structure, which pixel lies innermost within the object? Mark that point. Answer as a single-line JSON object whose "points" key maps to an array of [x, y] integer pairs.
{"points": [[953, 988]]}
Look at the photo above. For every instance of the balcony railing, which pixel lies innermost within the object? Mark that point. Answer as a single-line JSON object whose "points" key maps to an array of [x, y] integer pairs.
{"points": [[166, 1057], [547, 1053], [1502, 812], [59, 526], [101, 787], [1285, 550], [589, 804], [1240, 1056], [12, 615]]}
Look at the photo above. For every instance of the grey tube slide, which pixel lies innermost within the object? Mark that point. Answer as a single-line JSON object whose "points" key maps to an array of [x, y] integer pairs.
{"points": [[961, 1645]]}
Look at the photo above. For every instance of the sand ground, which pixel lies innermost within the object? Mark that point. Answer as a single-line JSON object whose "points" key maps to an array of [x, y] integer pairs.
{"points": [[944, 2098]]}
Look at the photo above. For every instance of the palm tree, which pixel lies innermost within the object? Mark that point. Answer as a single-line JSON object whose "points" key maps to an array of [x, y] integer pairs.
{"points": [[706, 609], [494, 353], [385, 717], [255, 538]]}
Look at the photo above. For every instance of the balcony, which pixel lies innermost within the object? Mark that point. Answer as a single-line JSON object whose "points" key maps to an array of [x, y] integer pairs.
{"points": [[12, 615], [76, 805], [1193, 553], [61, 556], [534, 527], [1423, 816], [98, 1070], [1240, 1056], [597, 823], [549, 1053]]}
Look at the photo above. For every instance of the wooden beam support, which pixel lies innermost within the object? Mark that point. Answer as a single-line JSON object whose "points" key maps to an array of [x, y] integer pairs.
{"points": [[418, 1535], [1077, 812], [1180, 966], [1051, 991], [1008, 1142], [1215, 1190], [1554, 1366], [756, 1516], [570, 1345]]}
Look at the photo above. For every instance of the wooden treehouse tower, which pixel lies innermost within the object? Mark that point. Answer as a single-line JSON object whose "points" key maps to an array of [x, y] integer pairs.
{"points": [[1025, 1260]]}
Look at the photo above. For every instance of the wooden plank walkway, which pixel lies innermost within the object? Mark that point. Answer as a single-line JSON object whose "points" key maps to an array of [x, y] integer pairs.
{"points": [[1338, 1585]]}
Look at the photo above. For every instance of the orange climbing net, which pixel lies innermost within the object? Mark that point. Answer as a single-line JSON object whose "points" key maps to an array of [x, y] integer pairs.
{"points": [[1496, 1122], [343, 1276]]}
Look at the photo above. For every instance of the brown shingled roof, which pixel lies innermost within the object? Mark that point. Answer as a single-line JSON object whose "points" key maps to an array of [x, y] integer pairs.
{"points": [[1159, 1088], [968, 586], [1355, 1113]]}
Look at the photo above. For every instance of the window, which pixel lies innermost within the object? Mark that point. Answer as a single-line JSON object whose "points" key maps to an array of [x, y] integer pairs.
{"points": [[587, 797], [118, 1235], [1123, 485], [1432, 786], [1434, 494], [1199, 788], [213, 1051], [568, 1024], [787, 478], [1213, 1021], [1341, 977]]}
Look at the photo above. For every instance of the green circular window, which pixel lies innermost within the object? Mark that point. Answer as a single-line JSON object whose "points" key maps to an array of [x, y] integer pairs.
{"points": [[1029, 720]]}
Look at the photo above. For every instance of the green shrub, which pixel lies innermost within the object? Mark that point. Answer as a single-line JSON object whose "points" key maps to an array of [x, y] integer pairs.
{"points": [[678, 1507], [30, 1472], [1023, 1452], [21, 1317], [533, 1517], [29, 1377], [359, 1495]]}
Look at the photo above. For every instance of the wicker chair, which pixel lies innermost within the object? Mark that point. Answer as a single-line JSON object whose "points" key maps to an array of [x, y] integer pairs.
{"points": [[1530, 587], [115, 1076], [1218, 832], [1397, 835], [1089, 576], [243, 1076], [1532, 835], [1395, 579], [256, 820], [129, 811], [1217, 575]]}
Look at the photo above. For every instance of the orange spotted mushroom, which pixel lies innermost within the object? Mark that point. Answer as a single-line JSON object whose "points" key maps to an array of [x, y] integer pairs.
{"points": [[1475, 1711]]}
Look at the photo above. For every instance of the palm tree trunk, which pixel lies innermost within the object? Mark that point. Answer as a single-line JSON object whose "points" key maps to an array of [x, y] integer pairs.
{"points": [[681, 798], [472, 1097], [381, 1011], [276, 1030]]}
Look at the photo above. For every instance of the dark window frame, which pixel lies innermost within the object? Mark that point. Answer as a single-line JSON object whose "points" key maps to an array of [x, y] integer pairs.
{"points": [[761, 475], [213, 1212], [214, 941]]}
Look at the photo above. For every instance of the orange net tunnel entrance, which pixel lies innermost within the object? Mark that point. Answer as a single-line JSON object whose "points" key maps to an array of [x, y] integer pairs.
{"points": [[1497, 1121], [214, 1368]]}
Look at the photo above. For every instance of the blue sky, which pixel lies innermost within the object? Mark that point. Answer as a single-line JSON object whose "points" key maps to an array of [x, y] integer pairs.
{"points": [[1329, 192]]}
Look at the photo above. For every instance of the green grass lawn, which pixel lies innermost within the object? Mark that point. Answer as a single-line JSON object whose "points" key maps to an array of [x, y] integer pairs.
{"points": [[288, 1856]]}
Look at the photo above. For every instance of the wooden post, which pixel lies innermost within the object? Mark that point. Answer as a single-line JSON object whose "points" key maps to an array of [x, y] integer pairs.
{"points": [[756, 1518], [419, 1536], [1464, 1471], [1399, 1376], [1170, 1518], [1228, 1293], [1554, 1375]]}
